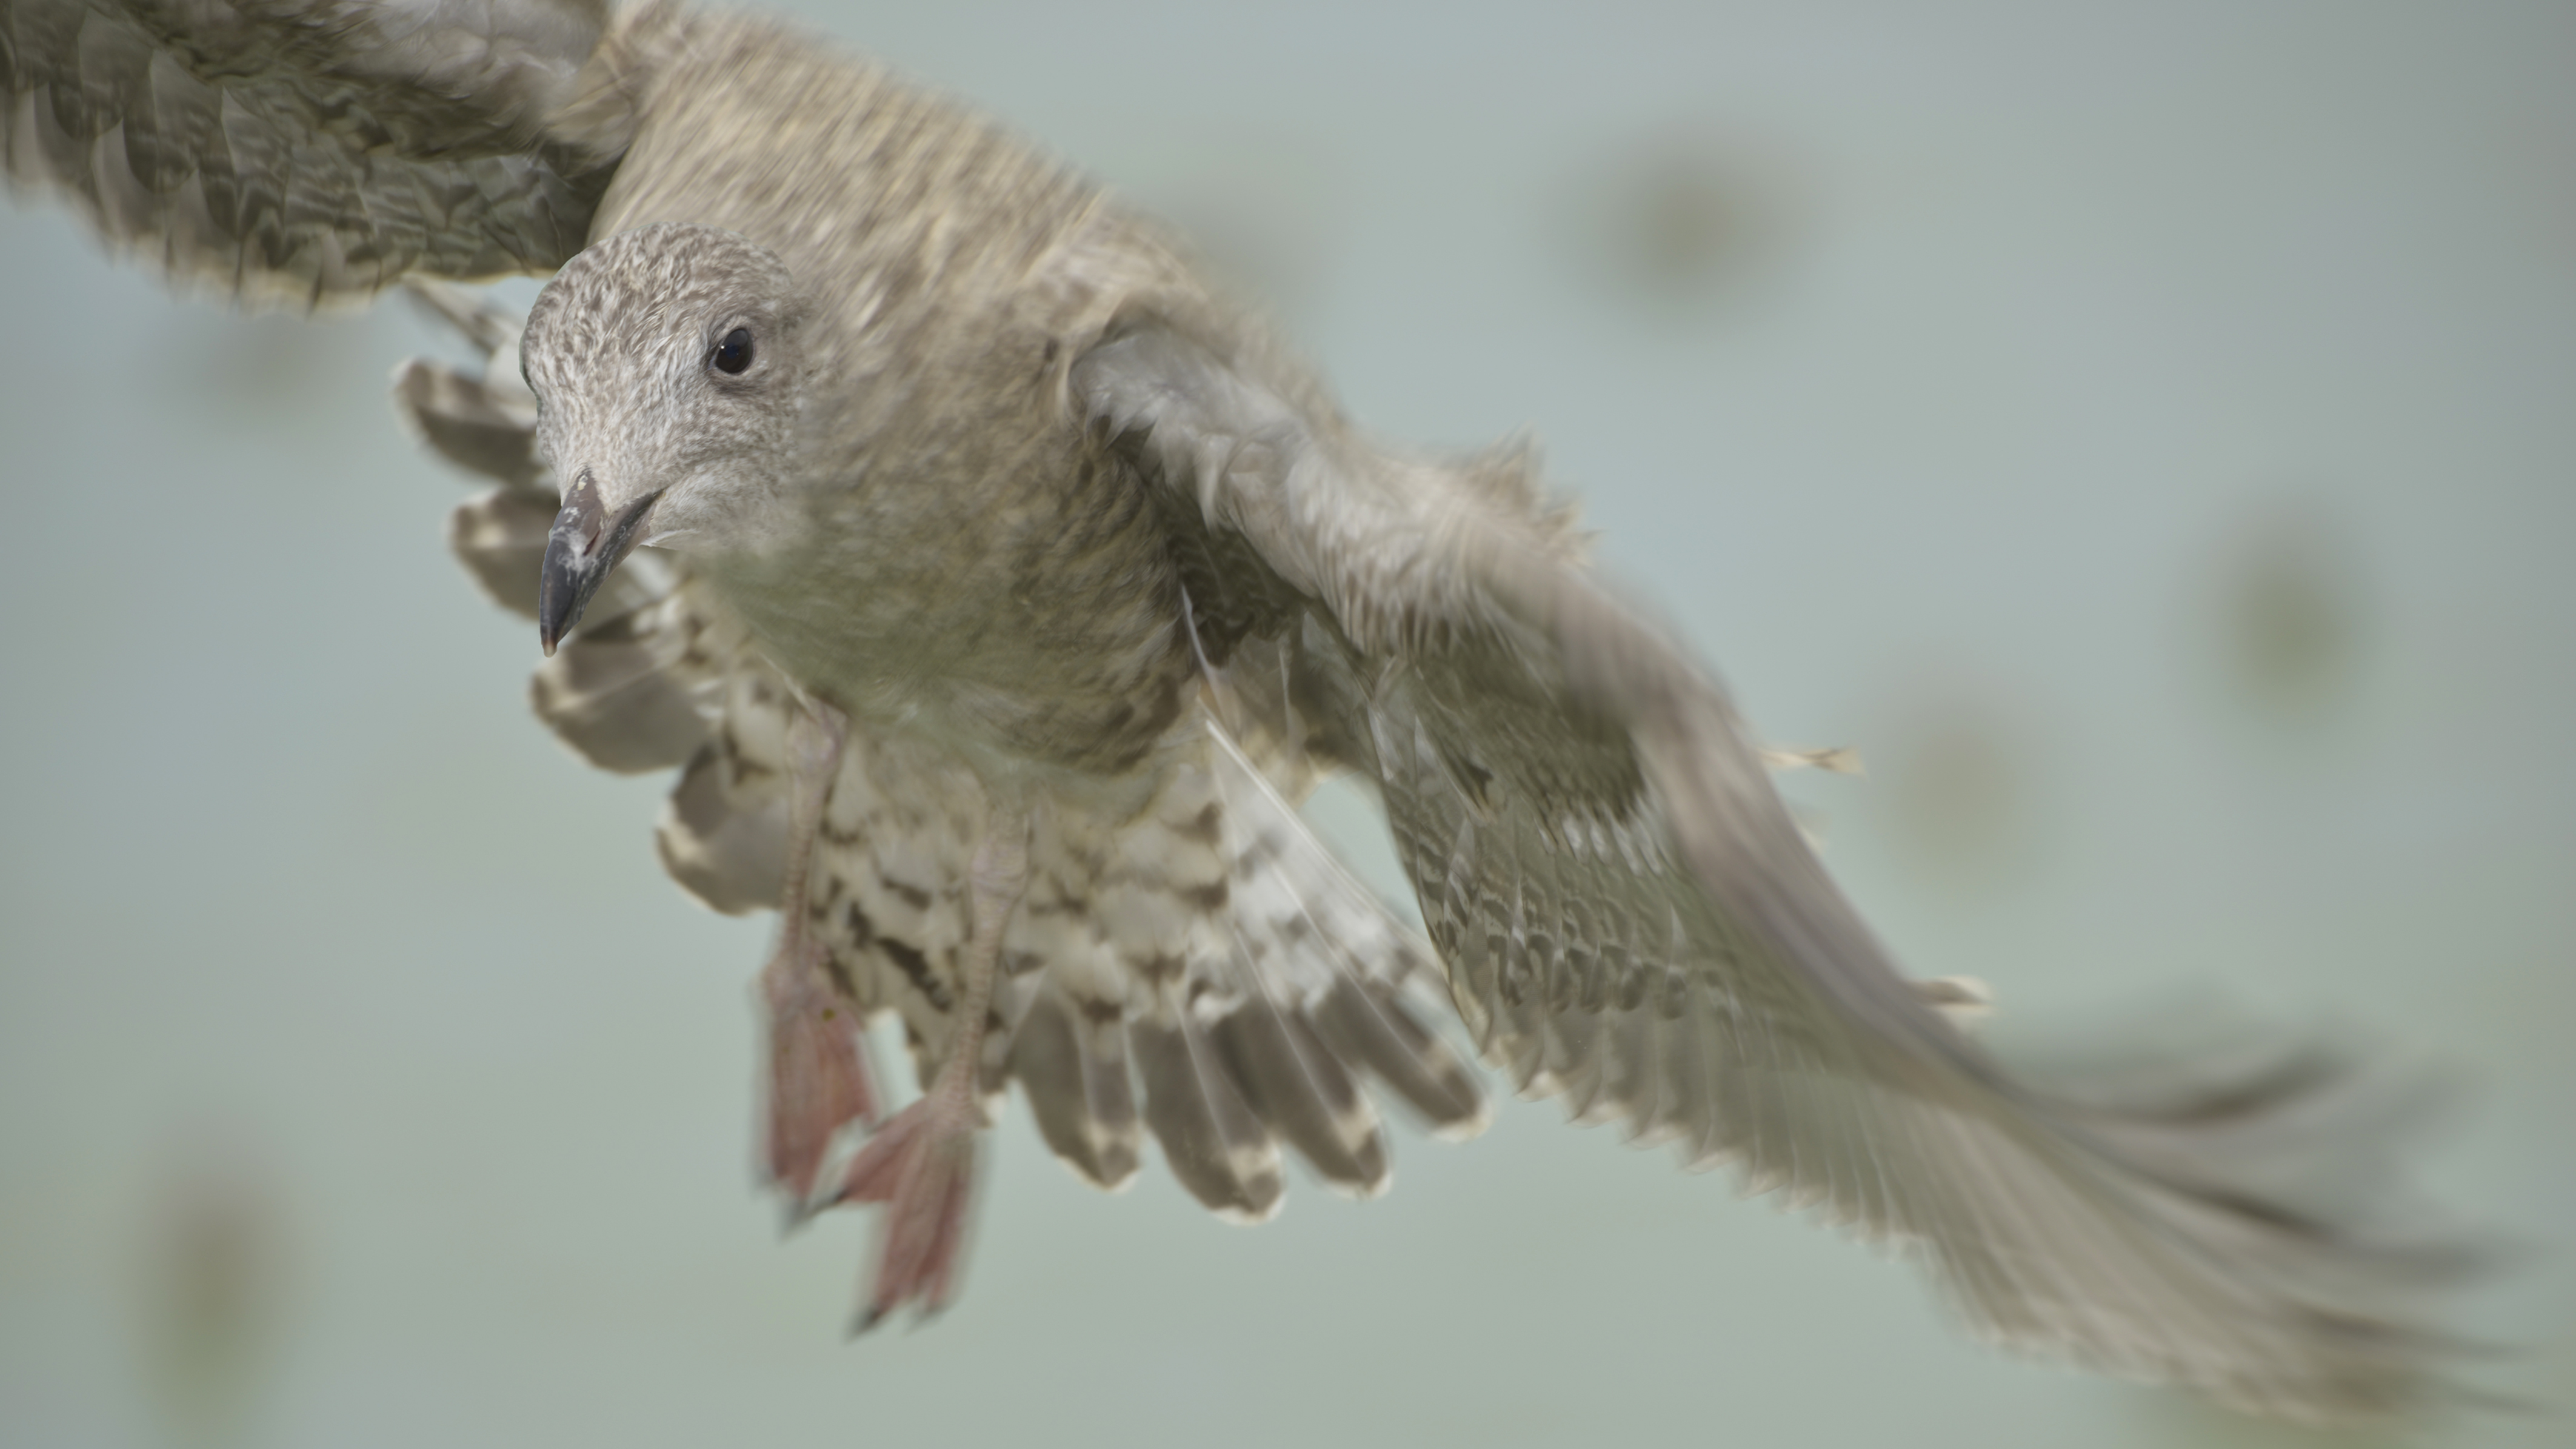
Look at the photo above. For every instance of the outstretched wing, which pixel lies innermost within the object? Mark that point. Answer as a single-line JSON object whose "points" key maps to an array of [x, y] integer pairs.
{"points": [[307, 151], [1628, 915]]}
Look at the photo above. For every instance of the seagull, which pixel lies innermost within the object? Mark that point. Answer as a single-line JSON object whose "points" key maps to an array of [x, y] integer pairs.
{"points": [[998, 587]]}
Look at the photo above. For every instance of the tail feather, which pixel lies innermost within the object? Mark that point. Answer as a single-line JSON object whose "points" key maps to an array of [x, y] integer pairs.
{"points": [[1072, 1063], [1212, 1141], [1292, 1082]]}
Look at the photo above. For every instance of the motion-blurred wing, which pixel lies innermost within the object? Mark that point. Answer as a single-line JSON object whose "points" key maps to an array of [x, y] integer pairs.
{"points": [[1628, 915], [306, 151]]}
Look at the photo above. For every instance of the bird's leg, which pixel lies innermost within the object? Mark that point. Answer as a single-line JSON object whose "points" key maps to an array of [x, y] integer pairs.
{"points": [[921, 1163], [818, 1067]]}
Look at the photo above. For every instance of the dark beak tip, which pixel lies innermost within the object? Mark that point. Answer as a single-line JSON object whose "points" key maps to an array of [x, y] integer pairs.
{"points": [[581, 549]]}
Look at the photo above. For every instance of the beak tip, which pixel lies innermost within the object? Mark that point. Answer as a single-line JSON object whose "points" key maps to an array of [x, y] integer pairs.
{"points": [[581, 549]]}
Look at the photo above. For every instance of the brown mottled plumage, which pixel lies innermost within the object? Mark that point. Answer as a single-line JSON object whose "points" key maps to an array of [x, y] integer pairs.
{"points": [[1001, 591]]}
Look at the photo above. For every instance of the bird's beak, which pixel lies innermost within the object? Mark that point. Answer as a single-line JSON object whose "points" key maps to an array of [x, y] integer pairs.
{"points": [[580, 550]]}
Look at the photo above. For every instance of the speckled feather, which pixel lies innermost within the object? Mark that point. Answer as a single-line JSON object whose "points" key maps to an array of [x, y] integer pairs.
{"points": [[1068, 538], [306, 154]]}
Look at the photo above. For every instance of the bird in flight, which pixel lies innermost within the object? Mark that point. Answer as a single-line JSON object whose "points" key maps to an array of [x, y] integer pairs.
{"points": [[998, 588]]}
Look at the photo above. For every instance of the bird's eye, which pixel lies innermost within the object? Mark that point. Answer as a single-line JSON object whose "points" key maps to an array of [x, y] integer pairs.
{"points": [[733, 354]]}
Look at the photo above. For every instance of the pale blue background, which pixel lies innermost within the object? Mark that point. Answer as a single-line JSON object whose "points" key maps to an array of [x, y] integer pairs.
{"points": [[2030, 363]]}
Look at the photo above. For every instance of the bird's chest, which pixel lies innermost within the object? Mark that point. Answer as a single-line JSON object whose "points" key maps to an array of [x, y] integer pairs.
{"points": [[1026, 617]]}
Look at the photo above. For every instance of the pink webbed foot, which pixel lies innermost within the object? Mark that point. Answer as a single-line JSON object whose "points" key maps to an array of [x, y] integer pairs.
{"points": [[921, 1166], [818, 1075]]}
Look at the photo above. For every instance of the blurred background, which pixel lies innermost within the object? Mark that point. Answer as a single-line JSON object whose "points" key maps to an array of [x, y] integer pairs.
{"points": [[2147, 433]]}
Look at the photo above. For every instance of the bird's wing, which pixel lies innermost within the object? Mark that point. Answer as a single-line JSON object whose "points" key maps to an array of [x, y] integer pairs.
{"points": [[1628, 916], [307, 151]]}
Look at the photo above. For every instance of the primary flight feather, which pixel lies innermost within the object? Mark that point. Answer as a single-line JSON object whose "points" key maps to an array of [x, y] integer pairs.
{"points": [[998, 588]]}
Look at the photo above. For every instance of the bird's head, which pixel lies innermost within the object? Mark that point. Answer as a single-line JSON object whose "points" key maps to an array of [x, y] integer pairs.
{"points": [[665, 366]]}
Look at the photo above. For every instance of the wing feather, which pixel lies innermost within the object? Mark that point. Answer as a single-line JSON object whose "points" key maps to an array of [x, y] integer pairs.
{"points": [[1629, 916], [308, 152]]}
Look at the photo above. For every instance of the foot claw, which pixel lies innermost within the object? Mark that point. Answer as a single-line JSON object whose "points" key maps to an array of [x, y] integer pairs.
{"points": [[921, 1166]]}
